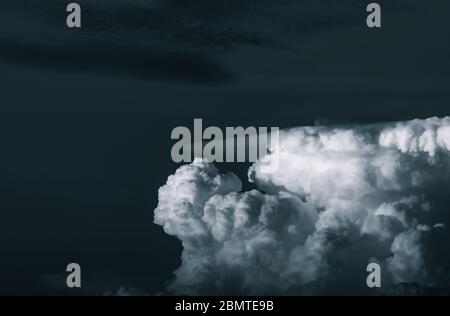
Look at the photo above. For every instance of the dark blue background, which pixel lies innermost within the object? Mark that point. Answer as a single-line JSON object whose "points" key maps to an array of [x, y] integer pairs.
{"points": [[86, 114]]}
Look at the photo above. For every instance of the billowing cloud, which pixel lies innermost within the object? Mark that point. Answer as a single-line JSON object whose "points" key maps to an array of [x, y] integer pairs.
{"points": [[341, 198]]}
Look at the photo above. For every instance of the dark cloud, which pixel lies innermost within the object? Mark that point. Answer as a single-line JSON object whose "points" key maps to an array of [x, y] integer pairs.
{"points": [[117, 60], [120, 37]]}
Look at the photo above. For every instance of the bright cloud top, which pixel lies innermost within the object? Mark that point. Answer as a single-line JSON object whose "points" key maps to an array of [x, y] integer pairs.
{"points": [[341, 198]]}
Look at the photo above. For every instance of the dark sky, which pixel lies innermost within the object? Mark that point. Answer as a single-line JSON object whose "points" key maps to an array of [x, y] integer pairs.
{"points": [[86, 114]]}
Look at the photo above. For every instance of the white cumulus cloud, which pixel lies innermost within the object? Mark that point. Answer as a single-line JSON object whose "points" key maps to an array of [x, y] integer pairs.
{"points": [[341, 197]]}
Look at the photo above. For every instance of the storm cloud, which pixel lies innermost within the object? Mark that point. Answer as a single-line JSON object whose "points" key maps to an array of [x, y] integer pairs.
{"points": [[342, 197]]}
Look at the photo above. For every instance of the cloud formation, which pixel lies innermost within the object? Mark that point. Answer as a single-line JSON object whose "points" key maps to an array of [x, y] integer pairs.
{"points": [[342, 197]]}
